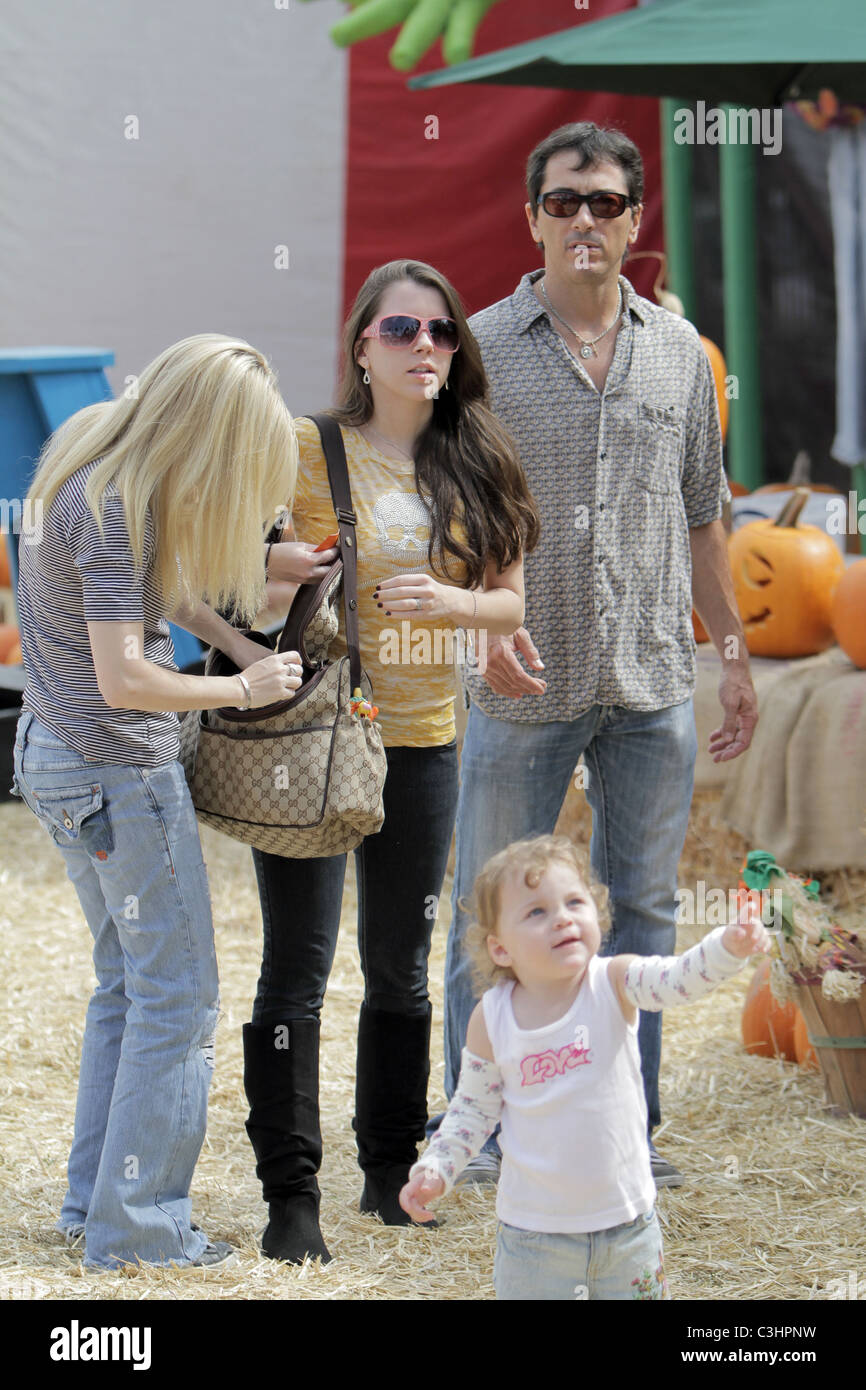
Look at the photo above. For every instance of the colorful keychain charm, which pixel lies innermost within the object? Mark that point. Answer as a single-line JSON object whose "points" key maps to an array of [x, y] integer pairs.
{"points": [[361, 707]]}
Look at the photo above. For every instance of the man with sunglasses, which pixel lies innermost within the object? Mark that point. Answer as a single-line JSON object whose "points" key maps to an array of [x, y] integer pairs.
{"points": [[611, 401]]}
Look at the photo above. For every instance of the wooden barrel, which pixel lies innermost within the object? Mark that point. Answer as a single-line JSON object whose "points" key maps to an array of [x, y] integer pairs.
{"points": [[838, 1034]]}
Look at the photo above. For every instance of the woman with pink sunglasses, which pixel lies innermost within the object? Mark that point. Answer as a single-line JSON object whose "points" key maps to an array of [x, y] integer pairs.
{"points": [[443, 520]]}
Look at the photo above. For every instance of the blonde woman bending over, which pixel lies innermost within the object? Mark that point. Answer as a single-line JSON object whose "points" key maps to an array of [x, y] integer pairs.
{"points": [[134, 496]]}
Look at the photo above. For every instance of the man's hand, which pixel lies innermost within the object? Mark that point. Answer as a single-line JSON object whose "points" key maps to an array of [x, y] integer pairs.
{"points": [[716, 604], [740, 703], [504, 673]]}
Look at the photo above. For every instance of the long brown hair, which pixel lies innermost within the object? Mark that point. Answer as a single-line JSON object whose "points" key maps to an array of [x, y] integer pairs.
{"points": [[466, 463]]}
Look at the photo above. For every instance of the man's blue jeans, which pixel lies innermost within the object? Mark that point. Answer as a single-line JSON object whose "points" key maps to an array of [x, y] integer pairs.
{"points": [[130, 840], [513, 781]]}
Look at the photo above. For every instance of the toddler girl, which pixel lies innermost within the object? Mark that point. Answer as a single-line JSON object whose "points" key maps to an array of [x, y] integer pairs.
{"points": [[551, 1054]]}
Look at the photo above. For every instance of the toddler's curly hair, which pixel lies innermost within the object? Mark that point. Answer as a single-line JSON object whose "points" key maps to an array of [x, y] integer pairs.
{"points": [[531, 858]]}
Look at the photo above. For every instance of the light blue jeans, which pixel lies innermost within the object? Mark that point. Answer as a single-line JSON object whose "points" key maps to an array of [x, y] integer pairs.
{"points": [[130, 840], [624, 1262], [513, 781]]}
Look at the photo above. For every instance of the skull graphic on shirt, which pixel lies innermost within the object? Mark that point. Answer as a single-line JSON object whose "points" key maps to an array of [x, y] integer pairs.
{"points": [[402, 525]]}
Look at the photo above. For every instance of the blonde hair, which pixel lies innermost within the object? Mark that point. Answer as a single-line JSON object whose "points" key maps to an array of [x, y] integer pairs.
{"points": [[206, 442], [530, 858]]}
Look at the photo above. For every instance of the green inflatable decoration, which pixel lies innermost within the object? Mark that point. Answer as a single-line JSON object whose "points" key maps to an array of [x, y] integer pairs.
{"points": [[424, 21]]}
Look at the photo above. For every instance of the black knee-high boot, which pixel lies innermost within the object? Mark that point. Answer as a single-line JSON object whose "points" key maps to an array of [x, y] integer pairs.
{"points": [[281, 1079], [390, 1105]]}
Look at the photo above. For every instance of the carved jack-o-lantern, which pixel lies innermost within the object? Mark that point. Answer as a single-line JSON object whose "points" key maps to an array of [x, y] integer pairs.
{"points": [[785, 576]]}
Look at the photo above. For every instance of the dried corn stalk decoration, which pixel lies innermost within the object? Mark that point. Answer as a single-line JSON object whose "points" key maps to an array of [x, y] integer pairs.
{"points": [[809, 947], [820, 966]]}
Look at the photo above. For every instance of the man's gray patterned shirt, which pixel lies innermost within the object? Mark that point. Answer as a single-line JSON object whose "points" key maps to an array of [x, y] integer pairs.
{"points": [[619, 478]]}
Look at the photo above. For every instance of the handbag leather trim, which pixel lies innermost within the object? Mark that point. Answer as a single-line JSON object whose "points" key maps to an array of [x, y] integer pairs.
{"points": [[255, 716]]}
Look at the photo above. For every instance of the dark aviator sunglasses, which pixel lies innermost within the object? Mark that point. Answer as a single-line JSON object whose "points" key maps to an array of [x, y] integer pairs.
{"points": [[565, 202]]}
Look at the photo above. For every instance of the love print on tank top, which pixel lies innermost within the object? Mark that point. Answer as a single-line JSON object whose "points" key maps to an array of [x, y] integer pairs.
{"points": [[539, 1067]]}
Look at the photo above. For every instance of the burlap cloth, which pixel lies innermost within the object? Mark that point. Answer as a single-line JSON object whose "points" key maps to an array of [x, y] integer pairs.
{"points": [[800, 790]]}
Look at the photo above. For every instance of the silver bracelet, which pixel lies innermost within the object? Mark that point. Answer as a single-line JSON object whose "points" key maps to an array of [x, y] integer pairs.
{"points": [[460, 626], [249, 694]]}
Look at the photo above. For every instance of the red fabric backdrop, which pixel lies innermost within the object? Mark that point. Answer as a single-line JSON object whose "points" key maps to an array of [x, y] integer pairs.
{"points": [[457, 201]]}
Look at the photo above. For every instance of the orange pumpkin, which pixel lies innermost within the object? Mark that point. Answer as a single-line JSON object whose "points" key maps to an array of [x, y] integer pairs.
{"points": [[848, 613], [737, 489], [785, 577], [13, 657], [5, 572], [717, 362], [768, 1026], [9, 638], [803, 1049]]}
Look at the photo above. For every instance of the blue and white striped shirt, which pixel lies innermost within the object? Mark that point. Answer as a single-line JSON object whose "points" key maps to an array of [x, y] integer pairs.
{"points": [[72, 577]]}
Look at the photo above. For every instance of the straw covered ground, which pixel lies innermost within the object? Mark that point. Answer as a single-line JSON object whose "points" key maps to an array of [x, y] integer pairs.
{"points": [[776, 1185]]}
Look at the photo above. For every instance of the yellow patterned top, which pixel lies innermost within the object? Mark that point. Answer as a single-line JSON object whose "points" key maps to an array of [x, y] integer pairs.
{"points": [[410, 663]]}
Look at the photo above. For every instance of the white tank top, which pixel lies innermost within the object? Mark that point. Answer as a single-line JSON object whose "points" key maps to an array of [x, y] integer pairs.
{"points": [[574, 1119]]}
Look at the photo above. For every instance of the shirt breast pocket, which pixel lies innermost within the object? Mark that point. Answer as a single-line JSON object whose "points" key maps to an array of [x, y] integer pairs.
{"points": [[661, 448]]}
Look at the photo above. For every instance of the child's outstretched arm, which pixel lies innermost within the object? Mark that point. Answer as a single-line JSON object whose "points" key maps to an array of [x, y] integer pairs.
{"points": [[657, 982], [470, 1119]]}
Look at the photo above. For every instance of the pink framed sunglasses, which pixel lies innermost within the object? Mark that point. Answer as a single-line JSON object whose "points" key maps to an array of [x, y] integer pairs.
{"points": [[401, 330]]}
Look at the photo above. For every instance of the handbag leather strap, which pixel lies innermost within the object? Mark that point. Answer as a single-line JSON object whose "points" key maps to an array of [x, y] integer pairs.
{"points": [[341, 496]]}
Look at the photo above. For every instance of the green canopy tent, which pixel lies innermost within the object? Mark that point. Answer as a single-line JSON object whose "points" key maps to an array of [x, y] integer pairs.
{"points": [[754, 53]]}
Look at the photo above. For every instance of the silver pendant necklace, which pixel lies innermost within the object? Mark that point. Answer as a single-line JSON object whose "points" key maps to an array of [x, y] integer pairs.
{"points": [[587, 346], [369, 427]]}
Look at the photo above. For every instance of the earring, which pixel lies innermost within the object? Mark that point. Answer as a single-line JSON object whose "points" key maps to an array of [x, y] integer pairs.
{"points": [[446, 384], [366, 377]]}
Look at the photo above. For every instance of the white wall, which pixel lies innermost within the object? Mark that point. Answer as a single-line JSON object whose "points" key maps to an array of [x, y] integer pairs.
{"points": [[132, 244]]}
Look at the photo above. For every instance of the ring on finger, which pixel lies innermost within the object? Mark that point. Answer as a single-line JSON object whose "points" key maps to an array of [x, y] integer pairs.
{"points": [[418, 604]]}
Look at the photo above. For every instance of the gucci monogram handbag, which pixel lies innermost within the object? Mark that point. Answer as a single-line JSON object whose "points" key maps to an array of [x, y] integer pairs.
{"points": [[302, 777]]}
